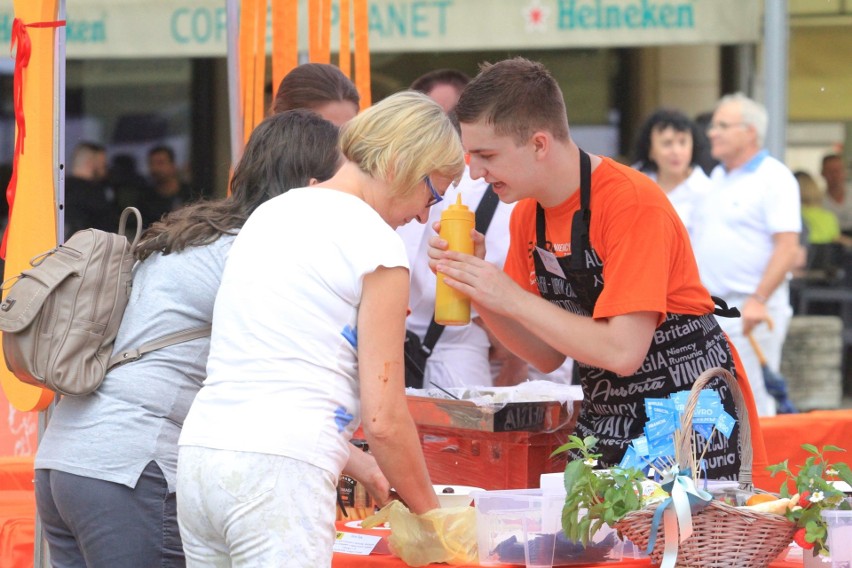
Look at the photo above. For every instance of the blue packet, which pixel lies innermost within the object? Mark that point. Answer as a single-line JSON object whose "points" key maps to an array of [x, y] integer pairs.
{"points": [[725, 424]]}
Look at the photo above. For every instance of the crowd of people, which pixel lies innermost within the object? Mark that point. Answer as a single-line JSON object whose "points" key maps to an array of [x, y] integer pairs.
{"points": [[588, 270]]}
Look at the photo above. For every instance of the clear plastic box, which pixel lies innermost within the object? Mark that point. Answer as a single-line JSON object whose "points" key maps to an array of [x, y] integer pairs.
{"points": [[839, 537], [524, 526]]}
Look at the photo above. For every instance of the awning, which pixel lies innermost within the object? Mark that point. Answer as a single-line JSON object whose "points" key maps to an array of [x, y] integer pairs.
{"points": [[196, 28]]}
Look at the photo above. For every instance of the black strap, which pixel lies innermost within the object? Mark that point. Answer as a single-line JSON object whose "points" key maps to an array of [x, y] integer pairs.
{"points": [[579, 223], [484, 215], [723, 310]]}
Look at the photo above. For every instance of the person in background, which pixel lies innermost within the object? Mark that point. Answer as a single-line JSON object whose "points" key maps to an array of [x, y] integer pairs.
{"points": [[838, 196], [89, 202], [444, 86], [599, 266], [319, 87], [307, 340], [821, 222], [462, 355], [667, 149], [106, 465], [746, 237], [168, 192]]}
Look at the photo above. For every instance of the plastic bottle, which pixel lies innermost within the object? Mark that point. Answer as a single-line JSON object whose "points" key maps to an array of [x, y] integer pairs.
{"points": [[453, 307]]}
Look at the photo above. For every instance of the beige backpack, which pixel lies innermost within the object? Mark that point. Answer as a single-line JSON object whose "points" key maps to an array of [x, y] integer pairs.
{"points": [[59, 318]]}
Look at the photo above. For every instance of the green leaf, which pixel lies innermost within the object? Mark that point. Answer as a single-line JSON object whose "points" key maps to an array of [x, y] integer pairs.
{"points": [[574, 472], [830, 448], [810, 448]]}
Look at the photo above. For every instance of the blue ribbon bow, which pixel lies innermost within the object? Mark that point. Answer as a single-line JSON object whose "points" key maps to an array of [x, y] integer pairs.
{"points": [[685, 500]]}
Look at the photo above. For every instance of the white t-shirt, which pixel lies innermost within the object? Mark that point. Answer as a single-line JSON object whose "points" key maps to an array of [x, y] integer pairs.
{"points": [[736, 220], [460, 357], [282, 378], [842, 210], [686, 195]]}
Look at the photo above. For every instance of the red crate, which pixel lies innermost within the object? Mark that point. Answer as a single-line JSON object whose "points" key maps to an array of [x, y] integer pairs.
{"points": [[491, 460]]}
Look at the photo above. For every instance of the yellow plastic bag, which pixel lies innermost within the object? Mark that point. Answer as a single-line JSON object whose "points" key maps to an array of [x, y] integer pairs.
{"points": [[440, 535]]}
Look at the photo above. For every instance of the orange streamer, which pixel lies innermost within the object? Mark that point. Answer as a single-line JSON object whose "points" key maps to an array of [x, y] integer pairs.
{"points": [[324, 51], [257, 110], [362, 52], [285, 39], [313, 29], [344, 60], [252, 63]]}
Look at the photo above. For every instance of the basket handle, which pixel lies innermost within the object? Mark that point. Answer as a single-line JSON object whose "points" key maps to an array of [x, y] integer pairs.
{"points": [[746, 456]]}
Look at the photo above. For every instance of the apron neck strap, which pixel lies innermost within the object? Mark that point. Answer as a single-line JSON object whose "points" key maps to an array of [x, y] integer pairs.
{"points": [[580, 221]]}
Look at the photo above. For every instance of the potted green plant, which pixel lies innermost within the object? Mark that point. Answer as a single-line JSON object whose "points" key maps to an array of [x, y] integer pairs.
{"points": [[595, 497], [814, 483]]}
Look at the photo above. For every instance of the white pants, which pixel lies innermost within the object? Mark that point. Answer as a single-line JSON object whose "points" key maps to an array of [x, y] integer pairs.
{"points": [[770, 341], [250, 509]]}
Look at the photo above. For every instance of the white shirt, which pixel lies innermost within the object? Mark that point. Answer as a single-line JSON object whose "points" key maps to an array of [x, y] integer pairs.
{"points": [[460, 357], [282, 378], [685, 196], [735, 222], [842, 210]]}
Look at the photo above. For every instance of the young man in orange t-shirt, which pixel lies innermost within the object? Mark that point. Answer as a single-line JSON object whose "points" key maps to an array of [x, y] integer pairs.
{"points": [[629, 307]]}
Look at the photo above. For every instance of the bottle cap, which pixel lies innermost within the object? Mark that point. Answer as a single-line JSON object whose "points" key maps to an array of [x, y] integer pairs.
{"points": [[458, 211]]}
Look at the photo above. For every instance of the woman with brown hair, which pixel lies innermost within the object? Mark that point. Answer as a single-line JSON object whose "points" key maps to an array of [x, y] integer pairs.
{"points": [[319, 87]]}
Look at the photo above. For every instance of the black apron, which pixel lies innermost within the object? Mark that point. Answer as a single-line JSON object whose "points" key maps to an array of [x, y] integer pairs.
{"points": [[613, 408]]}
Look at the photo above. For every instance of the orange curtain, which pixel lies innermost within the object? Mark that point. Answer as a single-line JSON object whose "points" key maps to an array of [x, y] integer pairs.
{"points": [[285, 39]]}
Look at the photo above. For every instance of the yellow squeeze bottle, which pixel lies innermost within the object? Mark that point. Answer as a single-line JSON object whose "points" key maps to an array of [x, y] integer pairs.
{"points": [[453, 307]]}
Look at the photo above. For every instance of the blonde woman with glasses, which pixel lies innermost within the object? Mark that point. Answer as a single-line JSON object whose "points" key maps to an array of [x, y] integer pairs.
{"points": [[307, 343]]}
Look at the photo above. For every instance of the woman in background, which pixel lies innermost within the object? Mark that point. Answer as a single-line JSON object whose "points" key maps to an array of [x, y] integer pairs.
{"points": [[319, 87], [106, 466], [307, 339], [667, 150]]}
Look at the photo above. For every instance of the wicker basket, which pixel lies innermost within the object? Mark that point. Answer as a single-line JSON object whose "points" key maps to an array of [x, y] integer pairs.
{"points": [[723, 536]]}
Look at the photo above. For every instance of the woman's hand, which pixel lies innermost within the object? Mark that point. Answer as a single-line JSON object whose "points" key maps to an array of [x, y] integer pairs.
{"points": [[363, 467]]}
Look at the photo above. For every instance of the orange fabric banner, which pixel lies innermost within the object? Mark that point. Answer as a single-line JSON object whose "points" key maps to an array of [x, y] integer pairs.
{"points": [[362, 52], [313, 29], [32, 221]]}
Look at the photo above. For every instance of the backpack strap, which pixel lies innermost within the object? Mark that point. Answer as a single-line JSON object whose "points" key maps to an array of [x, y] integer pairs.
{"points": [[165, 341], [122, 225]]}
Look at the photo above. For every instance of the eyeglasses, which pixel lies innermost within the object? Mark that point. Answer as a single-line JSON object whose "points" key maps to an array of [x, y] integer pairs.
{"points": [[436, 197], [723, 125]]}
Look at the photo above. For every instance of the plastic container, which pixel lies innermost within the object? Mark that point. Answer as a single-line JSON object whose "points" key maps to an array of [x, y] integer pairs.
{"points": [[457, 221], [524, 526], [839, 537]]}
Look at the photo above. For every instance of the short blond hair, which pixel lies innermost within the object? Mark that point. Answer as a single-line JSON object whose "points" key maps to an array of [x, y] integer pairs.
{"points": [[403, 139], [809, 191]]}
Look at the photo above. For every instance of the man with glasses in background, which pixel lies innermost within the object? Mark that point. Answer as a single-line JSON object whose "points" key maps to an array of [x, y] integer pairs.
{"points": [[747, 236]]}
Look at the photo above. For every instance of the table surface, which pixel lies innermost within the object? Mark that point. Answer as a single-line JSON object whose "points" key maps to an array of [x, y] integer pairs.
{"points": [[385, 560], [784, 436]]}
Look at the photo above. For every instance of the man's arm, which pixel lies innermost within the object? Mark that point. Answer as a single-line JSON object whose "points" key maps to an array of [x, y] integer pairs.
{"points": [[782, 261], [542, 333]]}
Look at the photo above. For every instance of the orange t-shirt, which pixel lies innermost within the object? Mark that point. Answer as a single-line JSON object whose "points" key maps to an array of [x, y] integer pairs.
{"points": [[648, 264]]}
